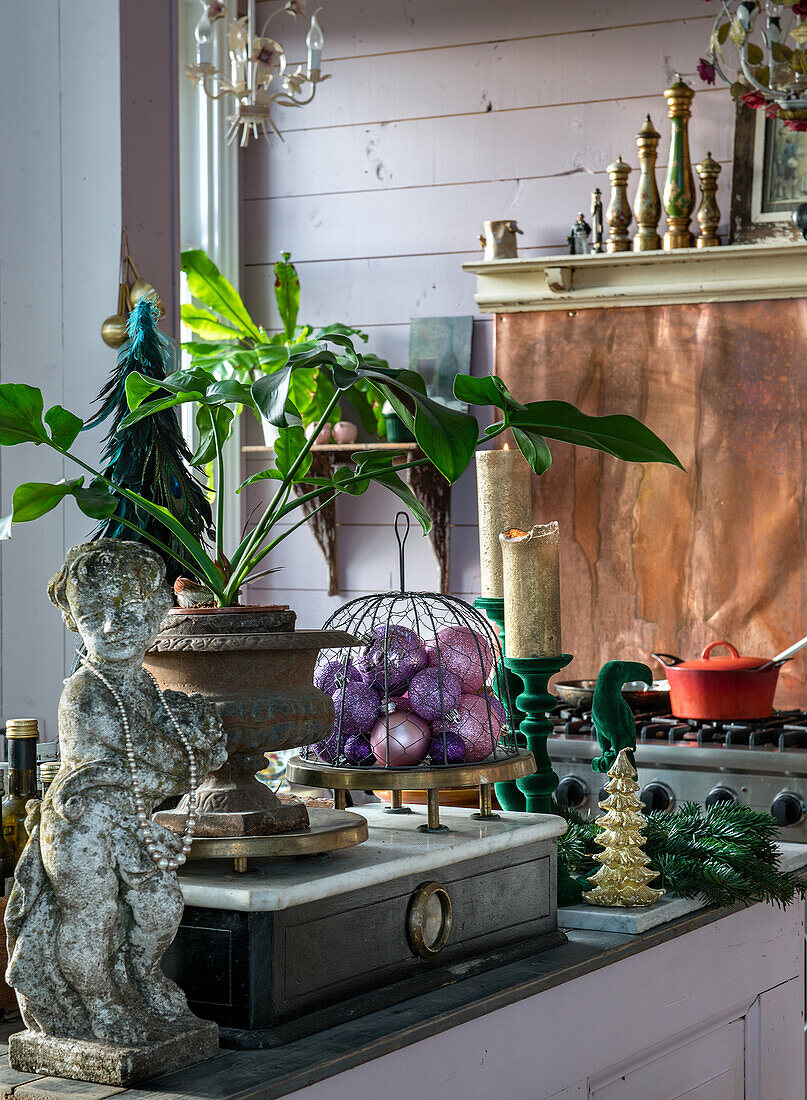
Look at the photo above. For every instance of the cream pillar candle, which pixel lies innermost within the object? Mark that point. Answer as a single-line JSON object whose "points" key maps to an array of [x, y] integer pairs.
{"points": [[503, 496], [532, 591]]}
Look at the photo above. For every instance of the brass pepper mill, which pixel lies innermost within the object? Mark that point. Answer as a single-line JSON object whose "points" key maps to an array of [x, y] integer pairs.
{"points": [[647, 204], [618, 214], [708, 212], [679, 186]]}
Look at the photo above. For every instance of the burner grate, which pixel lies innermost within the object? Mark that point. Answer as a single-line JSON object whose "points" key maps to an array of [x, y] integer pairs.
{"points": [[784, 730]]}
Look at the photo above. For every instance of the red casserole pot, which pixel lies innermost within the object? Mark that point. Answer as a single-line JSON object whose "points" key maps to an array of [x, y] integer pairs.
{"points": [[720, 689]]}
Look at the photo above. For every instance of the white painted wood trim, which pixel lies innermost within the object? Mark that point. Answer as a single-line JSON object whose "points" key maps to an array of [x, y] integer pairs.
{"points": [[727, 274]]}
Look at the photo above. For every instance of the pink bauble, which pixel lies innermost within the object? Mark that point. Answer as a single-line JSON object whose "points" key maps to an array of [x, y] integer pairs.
{"points": [[405, 743], [320, 438], [478, 721], [465, 653]]}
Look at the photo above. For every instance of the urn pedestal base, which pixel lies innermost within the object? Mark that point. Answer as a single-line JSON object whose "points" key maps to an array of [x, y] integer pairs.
{"points": [[256, 672], [108, 1063]]}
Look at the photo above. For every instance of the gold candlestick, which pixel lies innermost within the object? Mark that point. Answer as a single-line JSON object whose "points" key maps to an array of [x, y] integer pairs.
{"points": [[647, 204], [618, 214], [503, 498], [531, 569], [708, 212], [679, 185]]}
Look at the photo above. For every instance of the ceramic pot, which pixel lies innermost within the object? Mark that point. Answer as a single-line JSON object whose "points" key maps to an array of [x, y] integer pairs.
{"points": [[256, 671], [720, 689], [345, 432]]}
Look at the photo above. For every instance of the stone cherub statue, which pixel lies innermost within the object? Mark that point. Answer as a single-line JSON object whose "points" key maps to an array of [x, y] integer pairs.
{"points": [[96, 901]]}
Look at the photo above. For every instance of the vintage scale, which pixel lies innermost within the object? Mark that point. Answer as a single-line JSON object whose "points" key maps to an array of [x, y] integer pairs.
{"points": [[293, 943]]}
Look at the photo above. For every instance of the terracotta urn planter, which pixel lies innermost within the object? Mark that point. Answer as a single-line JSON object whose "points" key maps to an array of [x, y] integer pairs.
{"points": [[256, 671]]}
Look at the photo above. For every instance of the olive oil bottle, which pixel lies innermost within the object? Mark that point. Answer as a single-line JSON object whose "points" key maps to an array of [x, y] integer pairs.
{"points": [[21, 735]]}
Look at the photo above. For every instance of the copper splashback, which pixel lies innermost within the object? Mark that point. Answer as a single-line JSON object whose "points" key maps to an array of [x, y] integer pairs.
{"points": [[656, 559]]}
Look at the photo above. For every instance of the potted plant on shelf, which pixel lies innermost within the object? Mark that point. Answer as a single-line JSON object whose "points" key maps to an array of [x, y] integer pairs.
{"points": [[249, 661], [234, 345]]}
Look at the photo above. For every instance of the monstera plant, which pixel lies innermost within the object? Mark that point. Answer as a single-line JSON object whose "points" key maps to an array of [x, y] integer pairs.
{"points": [[447, 438], [234, 345]]}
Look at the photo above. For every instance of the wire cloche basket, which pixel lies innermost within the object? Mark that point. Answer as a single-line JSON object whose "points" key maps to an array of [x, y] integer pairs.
{"points": [[424, 688]]}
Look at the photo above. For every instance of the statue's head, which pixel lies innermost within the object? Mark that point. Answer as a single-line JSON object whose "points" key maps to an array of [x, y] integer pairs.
{"points": [[114, 594]]}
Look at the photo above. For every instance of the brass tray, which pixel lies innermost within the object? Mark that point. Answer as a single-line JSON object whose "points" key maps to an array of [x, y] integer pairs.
{"points": [[329, 831], [482, 775]]}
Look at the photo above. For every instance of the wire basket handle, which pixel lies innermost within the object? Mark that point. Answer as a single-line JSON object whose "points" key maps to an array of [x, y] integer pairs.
{"points": [[402, 537]]}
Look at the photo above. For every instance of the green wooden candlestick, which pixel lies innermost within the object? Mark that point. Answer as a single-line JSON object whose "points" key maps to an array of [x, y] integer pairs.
{"points": [[536, 701], [507, 793], [538, 788]]}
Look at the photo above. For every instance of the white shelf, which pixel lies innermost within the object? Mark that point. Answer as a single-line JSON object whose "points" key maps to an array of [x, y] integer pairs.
{"points": [[725, 274]]}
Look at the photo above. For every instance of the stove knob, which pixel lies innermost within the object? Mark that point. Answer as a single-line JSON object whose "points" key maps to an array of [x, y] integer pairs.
{"points": [[720, 794], [788, 809], [657, 796], [571, 792]]}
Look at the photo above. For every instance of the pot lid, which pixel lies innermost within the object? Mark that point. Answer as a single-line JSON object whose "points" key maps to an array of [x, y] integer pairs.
{"points": [[731, 663]]}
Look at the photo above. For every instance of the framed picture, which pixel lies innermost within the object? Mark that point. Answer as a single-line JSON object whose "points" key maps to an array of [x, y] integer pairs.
{"points": [[439, 350], [769, 178]]}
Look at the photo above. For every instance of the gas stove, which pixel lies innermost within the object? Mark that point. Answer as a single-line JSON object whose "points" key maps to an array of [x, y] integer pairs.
{"points": [[762, 764]]}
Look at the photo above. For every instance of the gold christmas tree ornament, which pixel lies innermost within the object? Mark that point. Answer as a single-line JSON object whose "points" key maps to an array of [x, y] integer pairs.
{"points": [[618, 214], [647, 204], [708, 212], [623, 877]]}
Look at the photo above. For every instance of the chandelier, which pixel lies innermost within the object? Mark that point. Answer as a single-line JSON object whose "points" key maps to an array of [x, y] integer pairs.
{"points": [[770, 70], [258, 79]]}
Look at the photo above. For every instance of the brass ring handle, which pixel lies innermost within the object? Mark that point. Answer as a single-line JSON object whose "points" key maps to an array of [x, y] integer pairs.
{"points": [[416, 919]]}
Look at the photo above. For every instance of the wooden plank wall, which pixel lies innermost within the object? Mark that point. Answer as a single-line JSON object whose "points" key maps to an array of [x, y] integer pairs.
{"points": [[437, 117]]}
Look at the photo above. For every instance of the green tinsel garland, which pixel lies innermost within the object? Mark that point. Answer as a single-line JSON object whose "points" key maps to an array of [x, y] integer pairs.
{"points": [[726, 853]]}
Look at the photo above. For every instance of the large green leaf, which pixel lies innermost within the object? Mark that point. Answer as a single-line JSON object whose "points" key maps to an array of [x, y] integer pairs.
{"points": [[64, 426], [270, 393], [618, 435], [488, 390], [207, 324], [34, 498], [447, 437], [289, 445], [275, 475], [395, 483], [21, 414], [272, 356], [533, 447], [287, 294], [215, 425], [208, 285]]}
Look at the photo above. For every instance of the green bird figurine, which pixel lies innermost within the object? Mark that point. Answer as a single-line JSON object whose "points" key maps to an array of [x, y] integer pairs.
{"points": [[613, 720]]}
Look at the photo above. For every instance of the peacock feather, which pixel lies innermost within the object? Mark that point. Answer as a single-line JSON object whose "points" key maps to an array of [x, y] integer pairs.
{"points": [[151, 458]]}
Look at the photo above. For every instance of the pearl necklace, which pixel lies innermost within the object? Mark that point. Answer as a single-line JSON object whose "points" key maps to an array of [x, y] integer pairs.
{"points": [[164, 861]]}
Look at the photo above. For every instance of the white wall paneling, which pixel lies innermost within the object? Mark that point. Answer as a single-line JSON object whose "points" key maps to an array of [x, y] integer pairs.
{"points": [[61, 210], [437, 117]]}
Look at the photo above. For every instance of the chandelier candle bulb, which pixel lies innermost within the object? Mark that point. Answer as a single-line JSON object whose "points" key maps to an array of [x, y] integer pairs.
{"points": [[503, 500], [314, 40], [531, 568]]}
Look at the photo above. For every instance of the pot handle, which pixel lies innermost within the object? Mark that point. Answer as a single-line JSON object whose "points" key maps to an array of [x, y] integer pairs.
{"points": [[667, 659], [712, 645]]}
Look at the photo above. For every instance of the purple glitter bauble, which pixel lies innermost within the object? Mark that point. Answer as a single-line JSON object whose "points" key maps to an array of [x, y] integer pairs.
{"points": [[452, 752], [328, 750], [405, 743], [464, 652], [392, 659], [478, 720], [330, 676], [357, 709], [358, 751], [433, 694]]}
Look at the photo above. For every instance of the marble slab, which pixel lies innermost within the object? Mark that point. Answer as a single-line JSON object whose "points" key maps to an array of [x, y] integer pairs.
{"points": [[394, 848], [633, 921]]}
